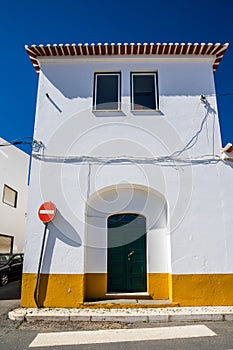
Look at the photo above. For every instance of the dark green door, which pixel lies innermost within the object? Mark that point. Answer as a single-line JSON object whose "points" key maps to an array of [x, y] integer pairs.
{"points": [[126, 253]]}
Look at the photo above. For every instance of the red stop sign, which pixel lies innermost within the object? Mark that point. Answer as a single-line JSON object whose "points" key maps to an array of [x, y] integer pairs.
{"points": [[46, 212]]}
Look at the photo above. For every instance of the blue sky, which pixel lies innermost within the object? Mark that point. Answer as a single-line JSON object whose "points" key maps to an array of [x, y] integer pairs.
{"points": [[74, 21]]}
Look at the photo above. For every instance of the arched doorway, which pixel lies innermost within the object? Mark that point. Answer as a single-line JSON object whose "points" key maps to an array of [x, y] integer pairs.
{"points": [[115, 206], [126, 253]]}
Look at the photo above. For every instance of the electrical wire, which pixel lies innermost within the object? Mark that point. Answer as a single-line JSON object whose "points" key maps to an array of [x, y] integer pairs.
{"points": [[18, 141], [220, 94], [161, 160], [171, 159]]}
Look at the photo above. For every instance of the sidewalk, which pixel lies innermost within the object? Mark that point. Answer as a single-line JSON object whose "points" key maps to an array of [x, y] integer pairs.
{"points": [[125, 314]]}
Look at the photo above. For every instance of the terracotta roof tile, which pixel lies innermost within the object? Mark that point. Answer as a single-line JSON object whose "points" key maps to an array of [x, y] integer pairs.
{"points": [[36, 51]]}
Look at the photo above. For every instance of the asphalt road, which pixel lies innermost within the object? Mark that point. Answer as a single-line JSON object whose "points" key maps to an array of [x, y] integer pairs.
{"points": [[11, 291], [19, 335]]}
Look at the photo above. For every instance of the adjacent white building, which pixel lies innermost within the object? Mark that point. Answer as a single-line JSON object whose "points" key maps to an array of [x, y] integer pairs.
{"points": [[130, 154], [14, 165]]}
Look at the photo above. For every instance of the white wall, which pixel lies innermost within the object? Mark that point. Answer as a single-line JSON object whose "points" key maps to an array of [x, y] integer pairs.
{"points": [[67, 126], [14, 173]]}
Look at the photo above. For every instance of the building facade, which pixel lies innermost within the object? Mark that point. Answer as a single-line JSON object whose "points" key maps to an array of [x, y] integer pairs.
{"points": [[14, 191], [129, 151]]}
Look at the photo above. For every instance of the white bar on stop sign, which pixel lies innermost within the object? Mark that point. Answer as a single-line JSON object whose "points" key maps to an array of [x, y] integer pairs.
{"points": [[46, 211]]}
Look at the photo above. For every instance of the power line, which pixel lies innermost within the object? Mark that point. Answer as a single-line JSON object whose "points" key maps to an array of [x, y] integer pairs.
{"points": [[19, 141], [220, 94], [167, 160]]}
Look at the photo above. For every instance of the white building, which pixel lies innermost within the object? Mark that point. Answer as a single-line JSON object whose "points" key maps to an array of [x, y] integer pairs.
{"points": [[130, 155], [13, 201]]}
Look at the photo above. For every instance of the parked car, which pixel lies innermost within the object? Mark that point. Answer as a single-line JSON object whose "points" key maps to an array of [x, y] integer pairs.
{"points": [[11, 266]]}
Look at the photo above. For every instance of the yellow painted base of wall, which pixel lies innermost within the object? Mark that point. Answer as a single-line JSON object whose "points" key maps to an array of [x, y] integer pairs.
{"points": [[96, 286], [198, 289], [54, 290], [62, 290], [158, 285]]}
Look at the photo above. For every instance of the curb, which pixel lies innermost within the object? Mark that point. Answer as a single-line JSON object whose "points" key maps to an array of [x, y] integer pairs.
{"points": [[125, 315]]}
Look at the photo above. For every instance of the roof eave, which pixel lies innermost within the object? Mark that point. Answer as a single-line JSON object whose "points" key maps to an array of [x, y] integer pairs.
{"points": [[217, 50]]}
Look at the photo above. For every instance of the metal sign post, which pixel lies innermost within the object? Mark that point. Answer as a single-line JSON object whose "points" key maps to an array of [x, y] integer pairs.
{"points": [[46, 213]]}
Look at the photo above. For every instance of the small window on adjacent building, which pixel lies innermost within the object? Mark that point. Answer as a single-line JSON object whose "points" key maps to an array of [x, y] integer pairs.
{"points": [[9, 196], [144, 91], [107, 91], [6, 246]]}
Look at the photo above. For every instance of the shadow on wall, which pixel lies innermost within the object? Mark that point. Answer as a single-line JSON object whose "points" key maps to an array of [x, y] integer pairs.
{"points": [[73, 80], [229, 163], [63, 231], [71, 83], [195, 137]]}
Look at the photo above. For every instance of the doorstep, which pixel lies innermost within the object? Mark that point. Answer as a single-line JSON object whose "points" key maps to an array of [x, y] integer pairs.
{"points": [[136, 295], [128, 303]]}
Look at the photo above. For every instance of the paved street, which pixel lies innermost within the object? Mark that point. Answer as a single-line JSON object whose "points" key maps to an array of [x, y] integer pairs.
{"points": [[24, 336], [11, 291], [49, 335], [194, 335]]}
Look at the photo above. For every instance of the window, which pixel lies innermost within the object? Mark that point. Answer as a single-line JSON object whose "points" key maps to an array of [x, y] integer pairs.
{"points": [[16, 259], [144, 91], [106, 91], [6, 244], [9, 196]]}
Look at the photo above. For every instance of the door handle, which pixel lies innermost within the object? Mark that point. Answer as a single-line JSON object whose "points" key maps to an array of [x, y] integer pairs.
{"points": [[131, 253]]}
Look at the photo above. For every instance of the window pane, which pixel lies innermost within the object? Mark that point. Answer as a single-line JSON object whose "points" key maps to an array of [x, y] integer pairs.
{"points": [[4, 259], [107, 92], [9, 196], [144, 91], [16, 259], [6, 243]]}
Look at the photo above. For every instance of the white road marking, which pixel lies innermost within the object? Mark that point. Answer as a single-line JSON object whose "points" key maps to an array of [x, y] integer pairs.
{"points": [[120, 335], [46, 211]]}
